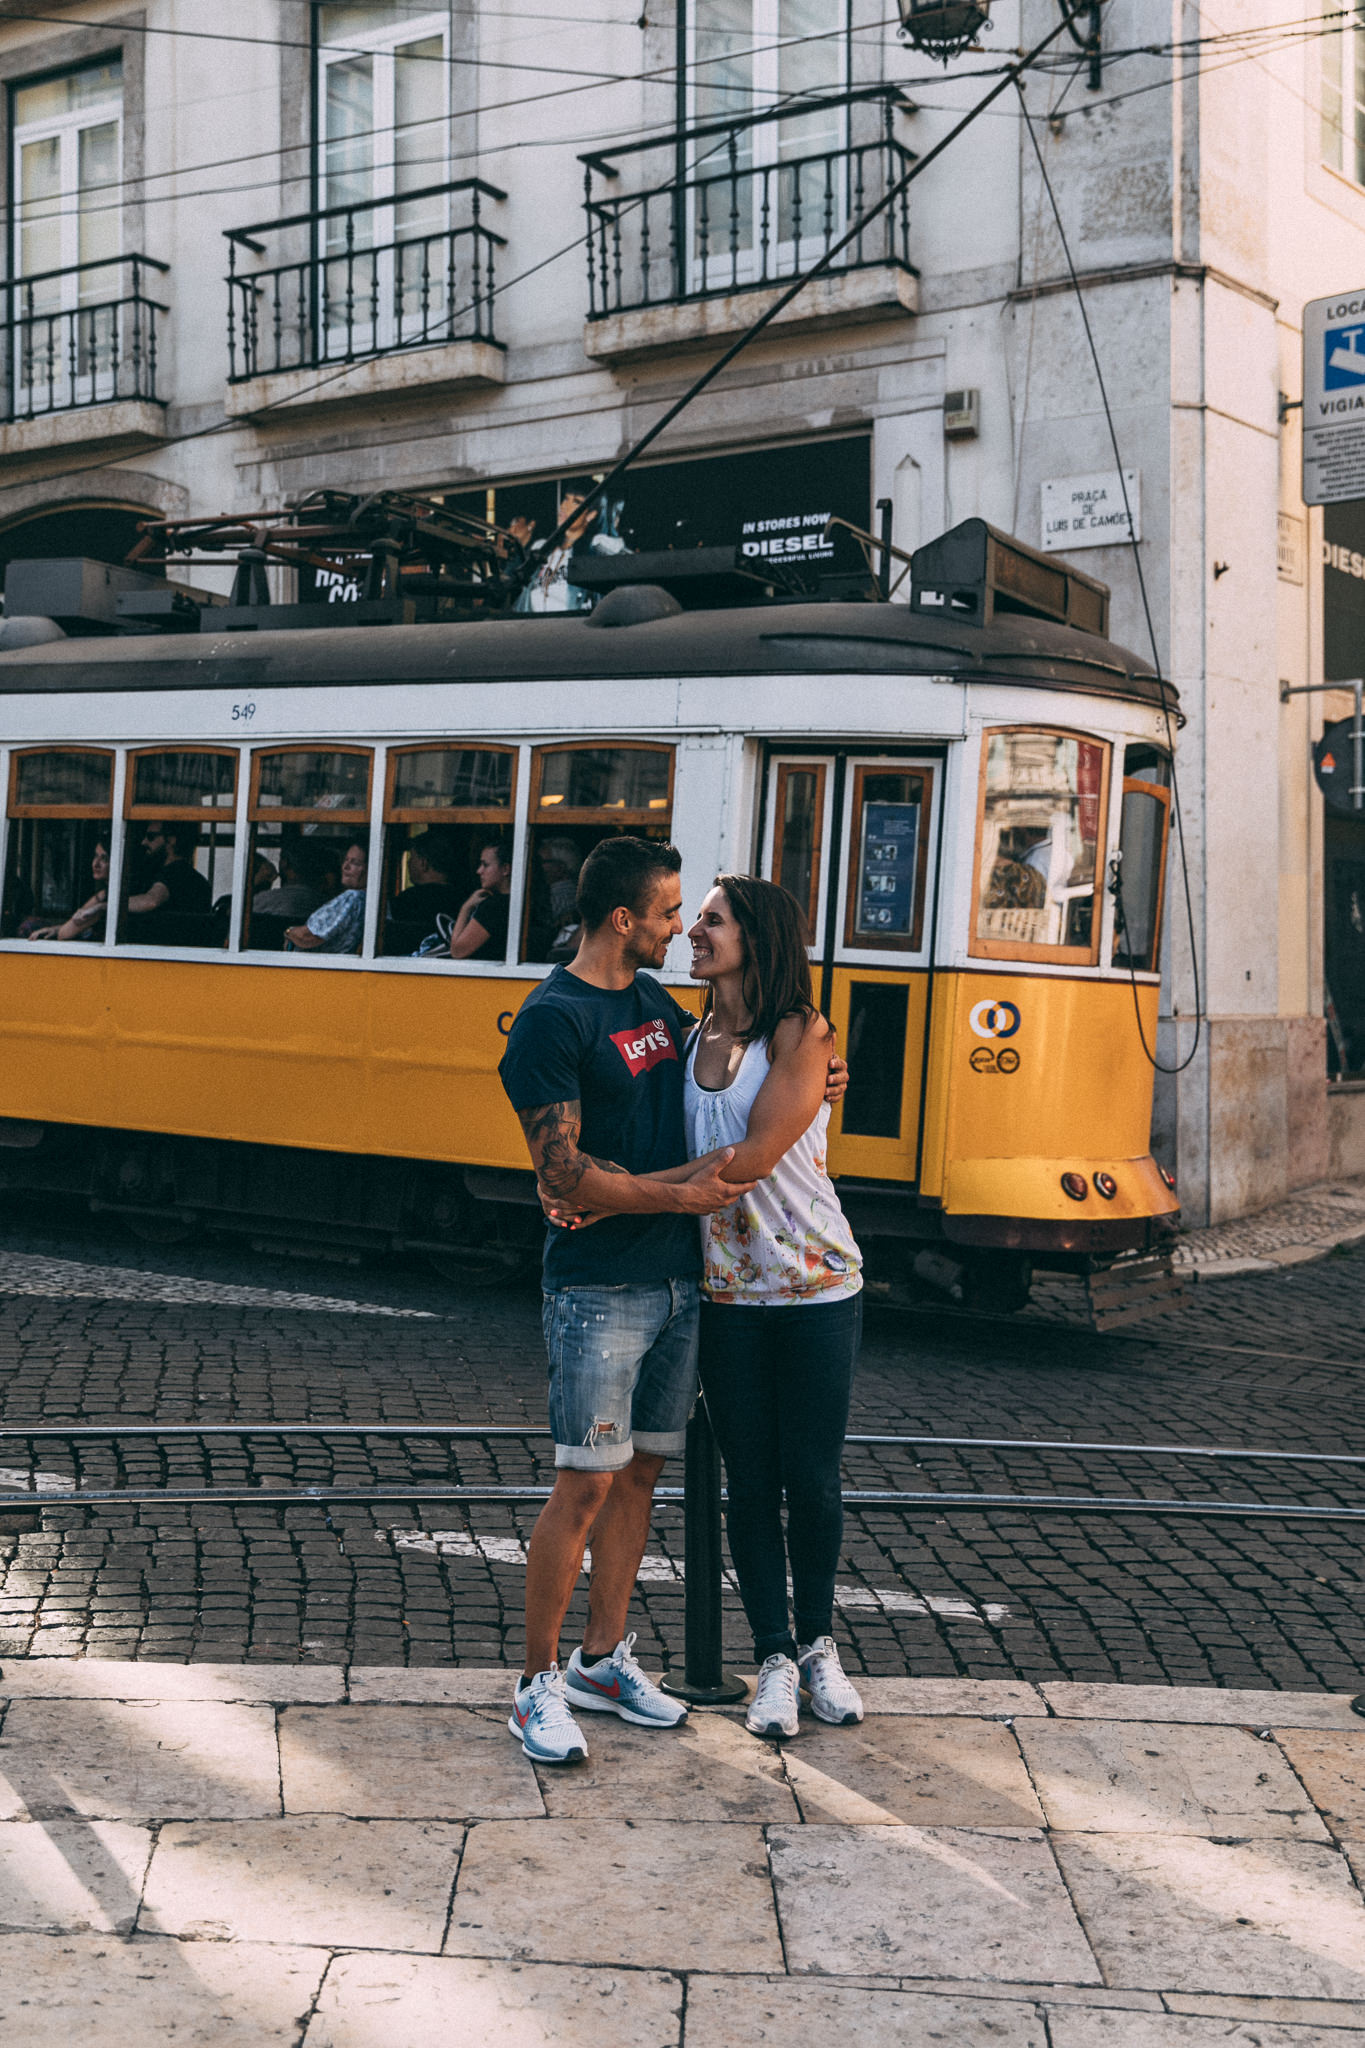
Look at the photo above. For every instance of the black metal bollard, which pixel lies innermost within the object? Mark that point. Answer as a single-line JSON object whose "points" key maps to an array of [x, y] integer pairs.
{"points": [[704, 1682]]}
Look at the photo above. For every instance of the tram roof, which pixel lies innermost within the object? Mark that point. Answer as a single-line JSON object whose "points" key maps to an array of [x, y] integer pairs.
{"points": [[819, 639]]}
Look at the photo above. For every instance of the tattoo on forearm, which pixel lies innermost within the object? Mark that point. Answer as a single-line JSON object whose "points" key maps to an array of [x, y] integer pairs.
{"points": [[552, 1133]]}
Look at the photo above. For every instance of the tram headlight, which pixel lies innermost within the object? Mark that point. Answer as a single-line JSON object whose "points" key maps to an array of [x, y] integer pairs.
{"points": [[1076, 1185], [1106, 1185], [943, 28]]}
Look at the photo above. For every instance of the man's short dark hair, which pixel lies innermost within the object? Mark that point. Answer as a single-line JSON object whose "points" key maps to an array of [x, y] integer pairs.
{"points": [[621, 873], [437, 849]]}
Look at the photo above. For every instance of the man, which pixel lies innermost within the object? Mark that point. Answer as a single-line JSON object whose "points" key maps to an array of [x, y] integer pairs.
{"points": [[174, 884], [594, 1070], [430, 894]]}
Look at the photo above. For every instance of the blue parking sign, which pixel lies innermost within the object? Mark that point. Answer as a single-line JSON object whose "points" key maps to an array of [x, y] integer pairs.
{"points": [[1343, 358]]}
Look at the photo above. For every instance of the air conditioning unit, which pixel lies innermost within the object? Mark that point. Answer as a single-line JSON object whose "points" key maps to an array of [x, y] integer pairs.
{"points": [[961, 415]]}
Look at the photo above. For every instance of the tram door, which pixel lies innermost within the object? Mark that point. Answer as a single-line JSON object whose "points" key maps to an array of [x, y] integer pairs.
{"points": [[851, 835]]}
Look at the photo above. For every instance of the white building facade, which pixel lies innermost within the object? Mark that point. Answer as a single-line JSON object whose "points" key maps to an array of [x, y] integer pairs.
{"points": [[384, 244]]}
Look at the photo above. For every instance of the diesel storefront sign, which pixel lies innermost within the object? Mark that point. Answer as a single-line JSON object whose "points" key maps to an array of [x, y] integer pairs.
{"points": [[774, 503], [1343, 592]]}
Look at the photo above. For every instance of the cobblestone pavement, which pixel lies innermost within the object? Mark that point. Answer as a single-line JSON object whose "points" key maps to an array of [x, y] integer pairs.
{"points": [[95, 1328]]}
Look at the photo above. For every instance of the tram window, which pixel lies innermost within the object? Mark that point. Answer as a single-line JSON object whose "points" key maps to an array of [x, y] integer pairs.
{"points": [[890, 858], [59, 841], [1143, 826], [178, 848], [1040, 828], [799, 805], [308, 807], [446, 807], [579, 797], [877, 1017]]}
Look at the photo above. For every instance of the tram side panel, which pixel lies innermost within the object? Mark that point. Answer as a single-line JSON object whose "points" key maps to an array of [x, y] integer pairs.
{"points": [[1033, 1077]]}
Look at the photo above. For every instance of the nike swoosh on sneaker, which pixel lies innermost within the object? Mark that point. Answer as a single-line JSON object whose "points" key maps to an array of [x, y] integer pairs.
{"points": [[520, 1718], [612, 1691]]}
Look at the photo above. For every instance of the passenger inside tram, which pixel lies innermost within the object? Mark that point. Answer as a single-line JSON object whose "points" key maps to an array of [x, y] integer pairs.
{"points": [[480, 928], [172, 901], [310, 872], [432, 860], [337, 925], [88, 921]]}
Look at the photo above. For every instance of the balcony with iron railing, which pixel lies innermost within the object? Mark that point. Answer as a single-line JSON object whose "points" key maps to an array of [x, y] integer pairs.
{"points": [[734, 210], [80, 356], [377, 297]]}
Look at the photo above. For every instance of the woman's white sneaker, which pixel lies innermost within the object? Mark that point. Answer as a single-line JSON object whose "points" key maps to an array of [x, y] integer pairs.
{"points": [[776, 1705], [833, 1697]]}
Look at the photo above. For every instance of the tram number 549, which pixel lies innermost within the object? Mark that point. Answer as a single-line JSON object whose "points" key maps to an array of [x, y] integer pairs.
{"points": [[243, 713]]}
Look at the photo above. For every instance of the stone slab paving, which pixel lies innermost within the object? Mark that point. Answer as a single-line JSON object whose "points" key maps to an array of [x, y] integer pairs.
{"points": [[236, 1865]]}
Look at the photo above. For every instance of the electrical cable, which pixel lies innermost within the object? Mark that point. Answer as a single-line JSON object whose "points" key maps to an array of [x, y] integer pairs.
{"points": [[661, 75], [1162, 684], [895, 191]]}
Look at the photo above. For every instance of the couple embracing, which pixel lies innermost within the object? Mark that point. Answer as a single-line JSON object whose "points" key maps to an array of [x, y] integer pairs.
{"points": [[683, 1167]]}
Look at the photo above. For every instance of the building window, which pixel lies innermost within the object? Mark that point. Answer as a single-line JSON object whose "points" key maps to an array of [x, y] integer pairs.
{"points": [[383, 106], [1343, 91], [777, 187], [67, 238]]}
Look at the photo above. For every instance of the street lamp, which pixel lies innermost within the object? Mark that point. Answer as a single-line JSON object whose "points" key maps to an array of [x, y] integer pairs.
{"points": [[943, 28]]}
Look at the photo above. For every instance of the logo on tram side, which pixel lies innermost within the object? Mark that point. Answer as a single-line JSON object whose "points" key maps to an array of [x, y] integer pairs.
{"points": [[646, 1046], [994, 1019], [982, 1060]]}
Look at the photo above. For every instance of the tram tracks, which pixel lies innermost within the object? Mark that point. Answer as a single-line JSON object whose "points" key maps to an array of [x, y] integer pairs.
{"points": [[373, 1488], [1057, 1326]]}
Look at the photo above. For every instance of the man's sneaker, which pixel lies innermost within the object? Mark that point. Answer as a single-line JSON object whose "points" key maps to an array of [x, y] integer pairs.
{"points": [[542, 1723], [833, 1697], [617, 1685], [776, 1703]]}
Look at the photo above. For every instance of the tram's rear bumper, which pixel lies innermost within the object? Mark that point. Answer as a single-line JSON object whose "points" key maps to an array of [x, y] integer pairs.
{"points": [[1021, 1205], [1036, 1234]]}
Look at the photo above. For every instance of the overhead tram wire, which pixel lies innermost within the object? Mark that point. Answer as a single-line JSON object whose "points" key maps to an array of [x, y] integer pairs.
{"points": [[321, 383], [662, 75], [1136, 547], [889, 198]]}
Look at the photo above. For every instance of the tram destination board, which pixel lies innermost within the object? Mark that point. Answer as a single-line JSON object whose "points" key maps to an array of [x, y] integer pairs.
{"points": [[886, 879], [1334, 399]]}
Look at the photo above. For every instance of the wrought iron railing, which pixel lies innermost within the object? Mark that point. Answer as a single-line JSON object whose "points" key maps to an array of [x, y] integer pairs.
{"points": [[742, 205], [80, 336], [363, 280]]}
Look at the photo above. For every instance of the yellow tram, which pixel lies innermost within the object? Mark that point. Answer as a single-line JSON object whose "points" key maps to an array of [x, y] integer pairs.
{"points": [[946, 785]]}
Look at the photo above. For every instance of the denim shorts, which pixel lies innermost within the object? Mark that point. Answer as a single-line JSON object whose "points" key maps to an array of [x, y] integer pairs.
{"points": [[623, 1371]]}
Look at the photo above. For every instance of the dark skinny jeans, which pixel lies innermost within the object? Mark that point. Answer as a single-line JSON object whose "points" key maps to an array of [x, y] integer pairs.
{"points": [[777, 1383]]}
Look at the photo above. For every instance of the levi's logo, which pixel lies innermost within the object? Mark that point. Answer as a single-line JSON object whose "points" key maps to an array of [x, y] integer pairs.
{"points": [[645, 1047]]}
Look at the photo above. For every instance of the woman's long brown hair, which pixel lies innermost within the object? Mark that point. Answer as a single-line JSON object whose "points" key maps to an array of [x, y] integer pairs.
{"points": [[777, 981]]}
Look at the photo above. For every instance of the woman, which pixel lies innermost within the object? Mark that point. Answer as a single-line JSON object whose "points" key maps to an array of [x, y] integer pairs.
{"points": [[781, 1289], [336, 927], [88, 921], [480, 928]]}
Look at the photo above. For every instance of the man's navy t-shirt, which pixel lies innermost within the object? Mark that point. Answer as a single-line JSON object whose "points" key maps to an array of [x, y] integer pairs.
{"points": [[619, 1053]]}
